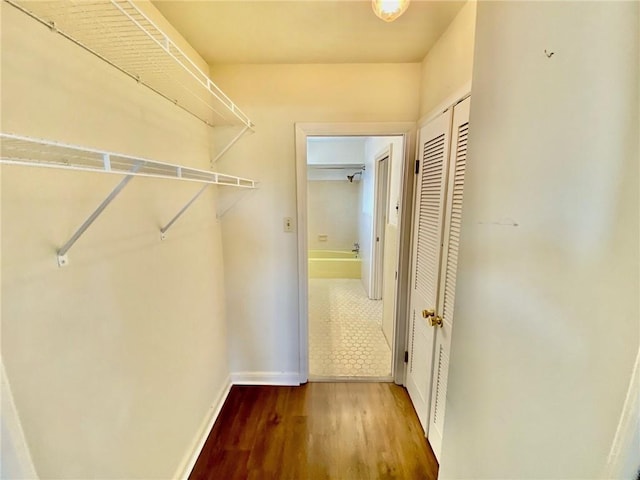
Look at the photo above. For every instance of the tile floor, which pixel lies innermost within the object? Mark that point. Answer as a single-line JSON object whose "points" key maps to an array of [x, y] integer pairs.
{"points": [[345, 334]]}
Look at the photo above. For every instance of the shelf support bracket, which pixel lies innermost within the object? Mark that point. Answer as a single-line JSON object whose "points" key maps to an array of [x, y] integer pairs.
{"points": [[229, 145], [220, 216], [164, 229], [63, 260]]}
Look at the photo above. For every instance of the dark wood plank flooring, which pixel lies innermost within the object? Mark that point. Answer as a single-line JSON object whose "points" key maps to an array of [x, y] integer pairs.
{"points": [[317, 431]]}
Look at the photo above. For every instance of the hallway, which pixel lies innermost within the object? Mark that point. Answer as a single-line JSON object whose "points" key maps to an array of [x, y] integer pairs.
{"points": [[317, 431], [345, 335]]}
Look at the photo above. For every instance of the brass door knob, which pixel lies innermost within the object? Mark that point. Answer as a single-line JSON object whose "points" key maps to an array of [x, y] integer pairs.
{"points": [[435, 320], [428, 313]]}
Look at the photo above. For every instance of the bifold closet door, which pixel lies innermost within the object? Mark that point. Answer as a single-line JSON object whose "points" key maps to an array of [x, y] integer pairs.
{"points": [[429, 203], [447, 283]]}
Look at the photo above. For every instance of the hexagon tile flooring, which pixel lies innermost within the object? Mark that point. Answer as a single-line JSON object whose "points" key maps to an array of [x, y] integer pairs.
{"points": [[345, 334]]}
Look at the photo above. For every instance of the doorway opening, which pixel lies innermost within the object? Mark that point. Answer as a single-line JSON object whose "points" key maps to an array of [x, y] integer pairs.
{"points": [[352, 198], [401, 166]]}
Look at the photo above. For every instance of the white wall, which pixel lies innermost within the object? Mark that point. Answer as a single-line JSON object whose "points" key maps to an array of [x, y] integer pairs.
{"points": [[261, 259], [365, 222], [328, 157], [447, 67], [332, 211], [115, 360], [624, 456], [15, 457], [546, 315], [335, 150]]}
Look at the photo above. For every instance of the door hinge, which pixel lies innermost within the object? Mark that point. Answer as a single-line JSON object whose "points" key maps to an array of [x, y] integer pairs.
{"points": [[396, 275], [417, 167], [406, 356]]}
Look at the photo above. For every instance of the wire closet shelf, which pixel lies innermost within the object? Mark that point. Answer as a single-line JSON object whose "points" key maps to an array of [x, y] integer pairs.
{"points": [[119, 33], [32, 152], [27, 151]]}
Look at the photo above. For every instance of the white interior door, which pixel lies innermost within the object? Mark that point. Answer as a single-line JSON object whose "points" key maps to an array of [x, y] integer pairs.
{"points": [[447, 284], [380, 222], [433, 152]]}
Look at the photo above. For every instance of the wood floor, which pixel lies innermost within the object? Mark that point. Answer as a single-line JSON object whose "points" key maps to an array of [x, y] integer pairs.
{"points": [[347, 431]]}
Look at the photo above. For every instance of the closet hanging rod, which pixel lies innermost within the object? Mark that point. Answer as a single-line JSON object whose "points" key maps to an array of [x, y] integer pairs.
{"points": [[231, 143], [119, 33], [32, 152], [329, 166], [35, 152], [163, 230], [106, 60]]}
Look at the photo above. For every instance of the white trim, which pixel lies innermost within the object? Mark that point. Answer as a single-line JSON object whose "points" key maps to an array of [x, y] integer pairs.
{"points": [[456, 97], [302, 131], [16, 438], [266, 378], [189, 461], [374, 129]]}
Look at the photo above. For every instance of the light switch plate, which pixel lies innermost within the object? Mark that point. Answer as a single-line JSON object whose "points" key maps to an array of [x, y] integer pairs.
{"points": [[289, 226]]}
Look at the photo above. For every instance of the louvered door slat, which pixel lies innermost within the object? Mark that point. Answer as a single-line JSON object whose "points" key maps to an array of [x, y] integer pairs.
{"points": [[456, 223], [447, 280], [429, 216], [429, 202], [440, 386]]}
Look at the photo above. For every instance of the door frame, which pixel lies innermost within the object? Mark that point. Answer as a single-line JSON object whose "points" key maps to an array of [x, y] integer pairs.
{"points": [[304, 130], [380, 219]]}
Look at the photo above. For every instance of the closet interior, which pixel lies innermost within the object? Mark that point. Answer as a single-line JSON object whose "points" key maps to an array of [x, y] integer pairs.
{"points": [[122, 35]]}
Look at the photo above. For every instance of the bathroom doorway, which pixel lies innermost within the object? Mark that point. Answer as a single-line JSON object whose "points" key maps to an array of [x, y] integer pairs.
{"points": [[352, 205]]}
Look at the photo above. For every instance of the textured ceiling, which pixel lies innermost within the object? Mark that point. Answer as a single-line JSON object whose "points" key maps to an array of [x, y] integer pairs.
{"points": [[307, 31]]}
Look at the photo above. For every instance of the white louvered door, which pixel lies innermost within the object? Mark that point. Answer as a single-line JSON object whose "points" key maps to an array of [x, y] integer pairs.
{"points": [[447, 283], [427, 246]]}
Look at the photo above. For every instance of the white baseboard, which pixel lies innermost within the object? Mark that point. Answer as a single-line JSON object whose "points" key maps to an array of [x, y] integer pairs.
{"points": [[238, 378], [266, 378], [210, 417]]}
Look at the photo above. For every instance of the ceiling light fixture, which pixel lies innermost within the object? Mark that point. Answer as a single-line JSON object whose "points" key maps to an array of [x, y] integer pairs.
{"points": [[389, 10]]}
